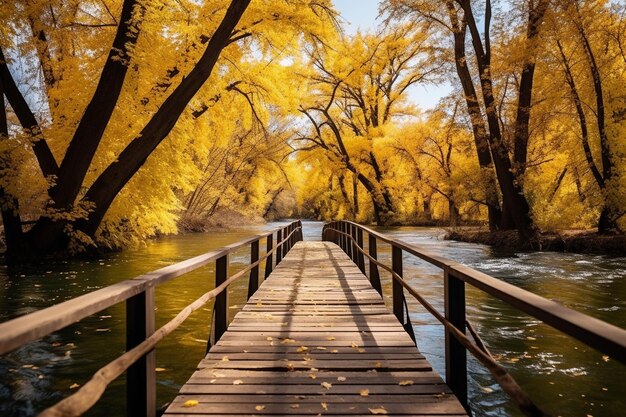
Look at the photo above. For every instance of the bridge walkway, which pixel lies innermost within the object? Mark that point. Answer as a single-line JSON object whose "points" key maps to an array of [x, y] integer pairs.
{"points": [[315, 339]]}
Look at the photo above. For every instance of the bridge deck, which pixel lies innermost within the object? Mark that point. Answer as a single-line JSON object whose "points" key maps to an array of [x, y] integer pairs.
{"points": [[316, 338]]}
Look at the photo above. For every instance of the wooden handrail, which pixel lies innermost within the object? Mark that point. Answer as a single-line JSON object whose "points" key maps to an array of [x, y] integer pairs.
{"points": [[33, 326], [24, 329], [606, 338]]}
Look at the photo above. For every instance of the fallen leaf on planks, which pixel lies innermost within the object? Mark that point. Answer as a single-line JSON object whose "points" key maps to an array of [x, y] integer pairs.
{"points": [[190, 403], [379, 410]]}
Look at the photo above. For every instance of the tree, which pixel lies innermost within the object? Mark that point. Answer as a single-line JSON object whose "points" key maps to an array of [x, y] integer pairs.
{"points": [[140, 95], [458, 17], [358, 89]]}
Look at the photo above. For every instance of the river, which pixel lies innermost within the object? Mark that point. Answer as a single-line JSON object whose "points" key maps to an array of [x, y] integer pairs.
{"points": [[563, 376]]}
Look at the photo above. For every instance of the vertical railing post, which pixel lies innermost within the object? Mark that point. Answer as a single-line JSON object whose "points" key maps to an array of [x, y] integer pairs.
{"points": [[286, 245], [342, 228], [141, 376], [456, 360], [374, 275], [220, 308], [253, 284], [341, 236], [279, 248], [268, 247], [397, 292], [350, 241], [359, 254]]}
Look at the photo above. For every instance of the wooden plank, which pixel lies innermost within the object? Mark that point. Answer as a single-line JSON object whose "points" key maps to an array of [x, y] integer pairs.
{"points": [[313, 337]]}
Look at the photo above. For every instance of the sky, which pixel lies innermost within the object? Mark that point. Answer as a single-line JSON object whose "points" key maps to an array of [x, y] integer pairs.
{"points": [[361, 14]]}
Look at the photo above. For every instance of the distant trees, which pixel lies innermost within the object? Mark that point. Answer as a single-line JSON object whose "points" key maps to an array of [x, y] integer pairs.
{"points": [[358, 88]]}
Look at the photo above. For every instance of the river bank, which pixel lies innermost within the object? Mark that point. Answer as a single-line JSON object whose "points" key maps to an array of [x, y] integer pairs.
{"points": [[574, 241]]}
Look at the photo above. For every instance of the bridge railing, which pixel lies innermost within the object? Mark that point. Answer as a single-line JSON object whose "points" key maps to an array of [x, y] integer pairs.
{"points": [[606, 338], [141, 337]]}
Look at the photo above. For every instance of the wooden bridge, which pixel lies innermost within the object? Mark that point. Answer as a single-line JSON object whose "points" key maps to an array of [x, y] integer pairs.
{"points": [[315, 338]]}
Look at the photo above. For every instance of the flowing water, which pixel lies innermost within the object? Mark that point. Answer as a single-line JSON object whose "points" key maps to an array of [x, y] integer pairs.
{"points": [[563, 376]]}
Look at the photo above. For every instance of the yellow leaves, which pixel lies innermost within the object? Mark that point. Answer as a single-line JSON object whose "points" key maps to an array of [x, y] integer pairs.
{"points": [[160, 369], [302, 349], [259, 407], [341, 378], [326, 385], [379, 410], [324, 406], [225, 359], [406, 382], [364, 392], [287, 340], [190, 403], [74, 386], [330, 338], [237, 382]]}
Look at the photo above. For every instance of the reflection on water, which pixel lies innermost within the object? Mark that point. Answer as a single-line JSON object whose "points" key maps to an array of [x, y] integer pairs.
{"points": [[562, 375]]}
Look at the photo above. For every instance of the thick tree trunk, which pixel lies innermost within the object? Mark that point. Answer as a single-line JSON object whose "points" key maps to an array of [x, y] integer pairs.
{"points": [[524, 99], [117, 175], [49, 236], [9, 205], [478, 124], [453, 213], [98, 112], [512, 191]]}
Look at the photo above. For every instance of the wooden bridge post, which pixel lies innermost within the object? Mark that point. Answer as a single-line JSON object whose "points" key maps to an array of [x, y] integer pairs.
{"points": [[268, 247], [397, 292], [279, 248], [220, 308], [374, 275], [341, 237], [351, 241], [456, 359], [253, 284], [286, 244], [360, 256], [141, 376]]}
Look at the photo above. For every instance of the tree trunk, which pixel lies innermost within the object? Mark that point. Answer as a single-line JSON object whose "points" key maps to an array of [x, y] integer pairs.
{"points": [[94, 121], [47, 235], [355, 196], [453, 212], [11, 220], [512, 191], [478, 124]]}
